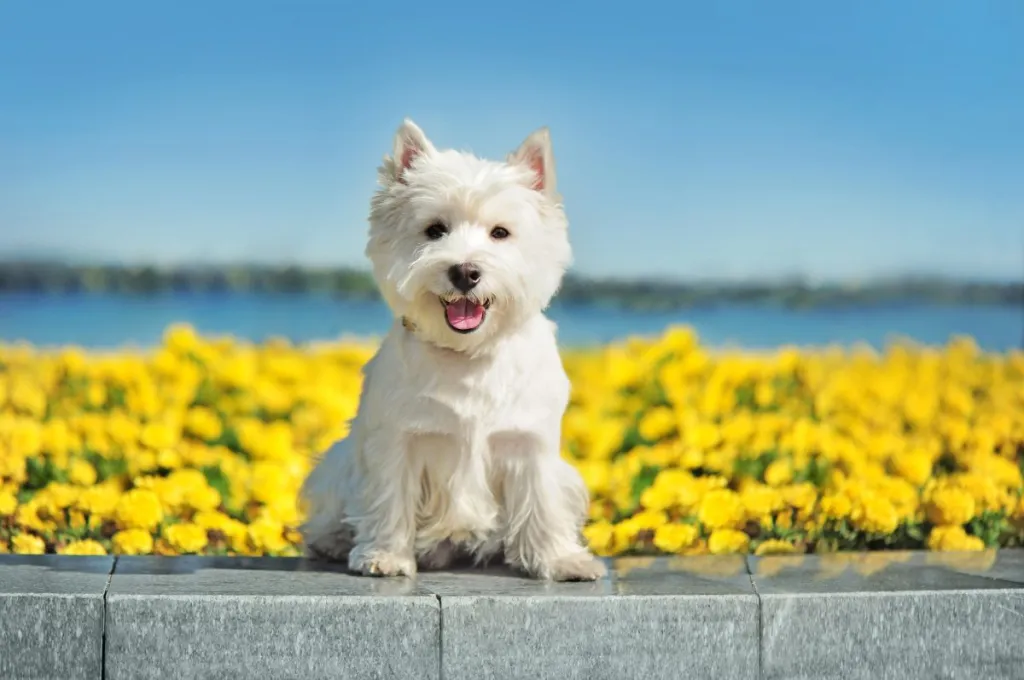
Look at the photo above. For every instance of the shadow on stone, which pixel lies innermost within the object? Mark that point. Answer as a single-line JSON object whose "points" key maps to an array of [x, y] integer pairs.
{"points": [[79, 564]]}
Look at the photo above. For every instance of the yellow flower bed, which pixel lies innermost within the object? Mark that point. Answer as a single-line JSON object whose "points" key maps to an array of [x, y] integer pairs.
{"points": [[201, 445]]}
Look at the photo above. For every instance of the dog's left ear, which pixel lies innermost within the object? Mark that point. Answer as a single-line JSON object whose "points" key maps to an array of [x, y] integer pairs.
{"points": [[410, 142], [535, 153]]}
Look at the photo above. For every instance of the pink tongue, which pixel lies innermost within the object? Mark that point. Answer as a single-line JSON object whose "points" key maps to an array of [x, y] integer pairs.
{"points": [[464, 315]]}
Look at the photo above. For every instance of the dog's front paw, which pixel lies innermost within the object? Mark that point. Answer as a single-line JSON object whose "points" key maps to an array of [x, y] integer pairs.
{"points": [[579, 567], [378, 563]]}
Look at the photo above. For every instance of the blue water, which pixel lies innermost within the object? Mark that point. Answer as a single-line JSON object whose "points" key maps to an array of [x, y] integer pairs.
{"points": [[105, 321]]}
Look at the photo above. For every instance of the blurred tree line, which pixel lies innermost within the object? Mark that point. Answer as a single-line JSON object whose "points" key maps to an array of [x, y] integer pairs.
{"points": [[61, 278]]}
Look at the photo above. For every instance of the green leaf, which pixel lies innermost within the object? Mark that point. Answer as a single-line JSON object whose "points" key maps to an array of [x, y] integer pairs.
{"points": [[631, 439], [229, 439], [116, 396], [41, 471], [815, 472], [643, 480], [216, 478], [989, 526], [745, 396], [107, 468]]}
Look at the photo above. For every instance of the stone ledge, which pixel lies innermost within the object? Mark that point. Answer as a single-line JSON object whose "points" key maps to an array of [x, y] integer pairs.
{"points": [[869, 615]]}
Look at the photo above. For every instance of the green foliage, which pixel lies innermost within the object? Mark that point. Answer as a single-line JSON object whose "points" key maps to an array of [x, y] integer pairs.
{"points": [[216, 478], [643, 481], [41, 471], [107, 468]]}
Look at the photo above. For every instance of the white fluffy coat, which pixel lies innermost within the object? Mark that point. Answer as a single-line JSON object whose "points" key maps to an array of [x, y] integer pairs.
{"points": [[456, 443]]}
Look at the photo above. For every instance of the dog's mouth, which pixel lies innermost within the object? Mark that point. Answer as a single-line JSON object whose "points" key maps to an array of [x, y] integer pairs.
{"points": [[464, 315]]}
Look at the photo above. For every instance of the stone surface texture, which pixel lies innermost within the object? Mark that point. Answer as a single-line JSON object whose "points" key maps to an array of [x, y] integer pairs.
{"points": [[51, 616], [849, 616], [898, 615], [222, 618], [681, 618]]}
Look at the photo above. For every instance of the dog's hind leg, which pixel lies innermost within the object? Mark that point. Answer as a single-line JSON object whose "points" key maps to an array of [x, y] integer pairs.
{"points": [[333, 546], [325, 532]]}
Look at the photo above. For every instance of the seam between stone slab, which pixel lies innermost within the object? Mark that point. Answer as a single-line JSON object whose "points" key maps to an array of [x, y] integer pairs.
{"points": [[103, 635], [440, 638], [760, 620]]}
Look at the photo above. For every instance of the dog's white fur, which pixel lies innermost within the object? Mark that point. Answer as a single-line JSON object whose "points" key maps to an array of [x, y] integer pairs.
{"points": [[455, 446]]}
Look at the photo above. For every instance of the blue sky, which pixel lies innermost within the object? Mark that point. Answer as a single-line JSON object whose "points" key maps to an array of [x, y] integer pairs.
{"points": [[732, 139]]}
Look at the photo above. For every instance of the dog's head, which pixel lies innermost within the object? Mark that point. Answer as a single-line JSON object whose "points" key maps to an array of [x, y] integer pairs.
{"points": [[467, 248]]}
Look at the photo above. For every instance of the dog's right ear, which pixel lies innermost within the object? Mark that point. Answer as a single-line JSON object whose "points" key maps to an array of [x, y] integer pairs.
{"points": [[410, 143], [536, 154]]}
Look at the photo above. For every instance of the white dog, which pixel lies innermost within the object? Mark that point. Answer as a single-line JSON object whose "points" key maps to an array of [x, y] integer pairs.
{"points": [[455, 446]]}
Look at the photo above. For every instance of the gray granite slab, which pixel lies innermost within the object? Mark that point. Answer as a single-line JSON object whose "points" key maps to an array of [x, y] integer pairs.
{"points": [[888, 615], [1004, 565], [650, 618], [51, 616], [221, 618]]}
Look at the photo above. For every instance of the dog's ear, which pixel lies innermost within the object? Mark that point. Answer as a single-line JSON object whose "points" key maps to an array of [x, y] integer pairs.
{"points": [[410, 142], [535, 153]]}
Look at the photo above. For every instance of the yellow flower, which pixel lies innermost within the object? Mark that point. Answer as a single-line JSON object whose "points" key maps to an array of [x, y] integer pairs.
{"points": [[59, 496], [953, 538], [27, 516], [139, 509], [915, 466], [657, 423], [778, 473], [725, 541], [877, 516], [133, 542], [950, 505], [215, 521], [82, 473], [269, 481], [800, 496], [202, 497], [266, 535], [186, 537], [100, 501], [76, 519], [600, 537], [673, 538], [181, 338], [168, 459], [720, 509], [159, 435], [775, 547], [648, 520], [204, 423], [27, 544], [84, 547], [760, 500], [836, 506], [658, 497], [8, 503], [596, 475]]}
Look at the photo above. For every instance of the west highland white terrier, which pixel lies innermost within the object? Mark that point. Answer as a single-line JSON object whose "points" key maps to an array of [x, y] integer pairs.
{"points": [[455, 447]]}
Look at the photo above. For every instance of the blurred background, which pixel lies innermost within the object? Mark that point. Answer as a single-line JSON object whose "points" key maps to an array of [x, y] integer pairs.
{"points": [[771, 173]]}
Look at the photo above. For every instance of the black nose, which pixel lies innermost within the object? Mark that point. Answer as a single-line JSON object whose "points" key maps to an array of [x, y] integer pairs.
{"points": [[464, 276]]}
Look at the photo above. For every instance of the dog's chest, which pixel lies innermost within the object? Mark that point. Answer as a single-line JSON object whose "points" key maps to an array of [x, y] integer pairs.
{"points": [[488, 397], [515, 390]]}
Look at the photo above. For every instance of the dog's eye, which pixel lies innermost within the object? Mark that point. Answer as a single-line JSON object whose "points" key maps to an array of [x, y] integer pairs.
{"points": [[499, 233], [436, 231]]}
